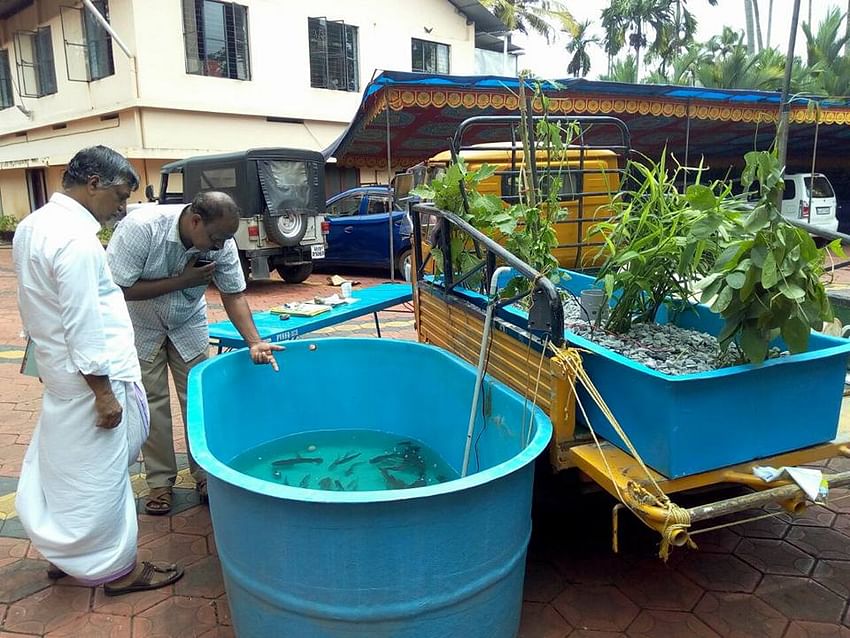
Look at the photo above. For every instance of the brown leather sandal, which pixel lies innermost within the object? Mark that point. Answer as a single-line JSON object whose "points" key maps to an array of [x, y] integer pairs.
{"points": [[152, 576], [160, 501]]}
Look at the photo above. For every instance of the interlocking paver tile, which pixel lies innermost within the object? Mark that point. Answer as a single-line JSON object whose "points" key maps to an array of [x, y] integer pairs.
{"points": [[719, 572], [590, 633], [542, 621], [801, 629], [740, 615], [12, 528], [589, 568], [821, 542], [202, 579], [718, 540], [772, 527], [222, 610], [177, 616], [94, 626], [192, 521], [834, 575], [652, 585], [175, 548], [129, 605], [12, 549], [839, 498], [596, 607], [669, 624], [153, 527], [800, 598], [774, 557], [219, 632], [22, 578], [816, 515], [542, 582], [48, 609]]}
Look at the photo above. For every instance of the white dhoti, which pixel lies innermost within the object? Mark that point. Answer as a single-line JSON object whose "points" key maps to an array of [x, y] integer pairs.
{"points": [[74, 496]]}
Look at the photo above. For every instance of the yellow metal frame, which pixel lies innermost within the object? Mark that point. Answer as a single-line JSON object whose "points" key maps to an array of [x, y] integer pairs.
{"points": [[457, 327]]}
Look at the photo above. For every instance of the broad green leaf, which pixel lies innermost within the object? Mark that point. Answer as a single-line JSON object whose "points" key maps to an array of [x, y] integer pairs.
{"points": [[836, 247], [758, 219], [736, 279], [728, 331], [754, 344], [711, 290], [728, 258], [724, 298], [796, 334], [707, 281], [791, 291], [758, 255], [701, 197], [769, 273], [753, 276]]}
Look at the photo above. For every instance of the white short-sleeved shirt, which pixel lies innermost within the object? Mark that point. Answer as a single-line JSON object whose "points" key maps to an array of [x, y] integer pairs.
{"points": [[146, 245], [70, 306]]}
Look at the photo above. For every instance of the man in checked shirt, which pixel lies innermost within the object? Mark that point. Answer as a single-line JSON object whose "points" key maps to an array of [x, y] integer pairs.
{"points": [[164, 260]]}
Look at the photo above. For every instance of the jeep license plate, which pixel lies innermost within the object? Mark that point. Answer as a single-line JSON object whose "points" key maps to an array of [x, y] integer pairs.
{"points": [[823, 210], [317, 251]]}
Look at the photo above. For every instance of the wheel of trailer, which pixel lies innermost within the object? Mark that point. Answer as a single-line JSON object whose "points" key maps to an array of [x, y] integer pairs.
{"points": [[295, 274], [405, 258], [287, 229], [245, 264]]}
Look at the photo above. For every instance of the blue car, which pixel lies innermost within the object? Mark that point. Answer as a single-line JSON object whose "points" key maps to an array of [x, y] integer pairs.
{"points": [[359, 233]]}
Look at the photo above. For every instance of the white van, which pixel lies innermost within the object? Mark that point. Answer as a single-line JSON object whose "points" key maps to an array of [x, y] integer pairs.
{"points": [[820, 210]]}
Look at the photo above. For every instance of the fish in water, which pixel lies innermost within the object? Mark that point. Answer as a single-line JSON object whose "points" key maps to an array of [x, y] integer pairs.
{"points": [[392, 482], [326, 483], [298, 460], [390, 456], [338, 485], [345, 459], [305, 481], [351, 468], [352, 485]]}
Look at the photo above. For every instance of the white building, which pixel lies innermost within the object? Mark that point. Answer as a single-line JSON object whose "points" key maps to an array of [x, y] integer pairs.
{"points": [[188, 77]]}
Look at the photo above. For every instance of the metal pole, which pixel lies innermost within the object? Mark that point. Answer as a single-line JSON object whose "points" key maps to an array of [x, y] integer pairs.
{"points": [[389, 172], [505, 54], [108, 27], [687, 138], [784, 106]]}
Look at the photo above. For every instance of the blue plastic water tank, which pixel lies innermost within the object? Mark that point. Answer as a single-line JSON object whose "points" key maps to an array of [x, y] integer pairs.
{"points": [[433, 562]]}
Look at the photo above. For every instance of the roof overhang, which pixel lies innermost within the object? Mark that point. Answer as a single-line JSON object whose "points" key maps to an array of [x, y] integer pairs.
{"points": [[8, 8], [492, 42], [476, 13]]}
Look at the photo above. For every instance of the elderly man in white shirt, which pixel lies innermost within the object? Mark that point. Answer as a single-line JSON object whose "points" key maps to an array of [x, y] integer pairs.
{"points": [[74, 497], [164, 259]]}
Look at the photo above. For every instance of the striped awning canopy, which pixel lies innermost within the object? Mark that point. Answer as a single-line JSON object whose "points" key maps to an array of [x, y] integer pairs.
{"points": [[421, 112]]}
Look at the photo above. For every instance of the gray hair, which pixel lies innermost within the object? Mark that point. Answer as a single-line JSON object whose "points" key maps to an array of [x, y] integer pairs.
{"points": [[111, 167]]}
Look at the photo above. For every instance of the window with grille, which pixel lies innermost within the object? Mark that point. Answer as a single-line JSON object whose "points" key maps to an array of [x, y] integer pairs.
{"points": [[216, 37], [333, 55], [429, 57], [34, 59], [7, 99], [88, 46]]}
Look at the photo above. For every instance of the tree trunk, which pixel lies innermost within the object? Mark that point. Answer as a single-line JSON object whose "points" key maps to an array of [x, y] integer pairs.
{"points": [[757, 22], [847, 30], [770, 21], [751, 40]]}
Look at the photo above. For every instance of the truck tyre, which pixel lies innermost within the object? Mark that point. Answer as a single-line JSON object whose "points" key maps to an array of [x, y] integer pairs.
{"points": [[295, 274], [287, 229]]}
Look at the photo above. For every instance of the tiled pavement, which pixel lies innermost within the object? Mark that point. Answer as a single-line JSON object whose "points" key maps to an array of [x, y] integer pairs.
{"points": [[775, 577]]}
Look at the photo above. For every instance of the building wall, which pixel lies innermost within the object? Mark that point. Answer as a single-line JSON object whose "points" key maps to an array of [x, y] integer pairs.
{"points": [[154, 112]]}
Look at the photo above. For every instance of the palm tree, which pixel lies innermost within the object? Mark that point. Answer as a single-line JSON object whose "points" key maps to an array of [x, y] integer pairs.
{"points": [[637, 17], [825, 47], [580, 62], [684, 67], [730, 66], [748, 14], [770, 22], [623, 71], [545, 17]]}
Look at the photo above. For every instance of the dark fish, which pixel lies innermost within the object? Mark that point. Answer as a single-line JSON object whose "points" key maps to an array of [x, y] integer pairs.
{"points": [[305, 481], [392, 482], [345, 459], [391, 456], [298, 460], [326, 483], [350, 469], [286, 480], [420, 482], [338, 485], [352, 485]]}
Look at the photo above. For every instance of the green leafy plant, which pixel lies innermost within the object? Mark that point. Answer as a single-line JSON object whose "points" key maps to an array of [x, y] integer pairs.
{"points": [[8, 223], [660, 239], [767, 282]]}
